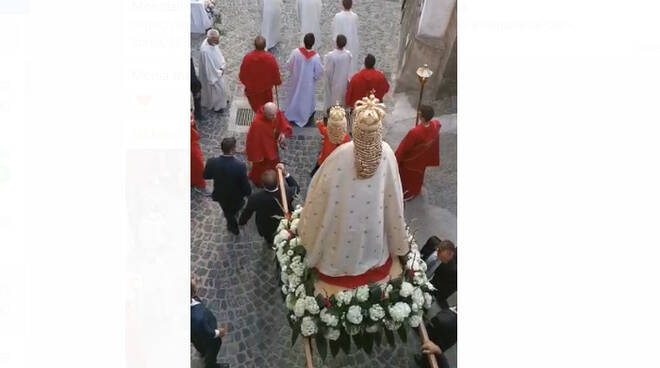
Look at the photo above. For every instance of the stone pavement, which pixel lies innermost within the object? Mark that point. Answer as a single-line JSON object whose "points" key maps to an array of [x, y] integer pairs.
{"points": [[237, 275]]}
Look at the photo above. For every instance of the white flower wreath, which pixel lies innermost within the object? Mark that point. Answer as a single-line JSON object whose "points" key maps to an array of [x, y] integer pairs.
{"points": [[366, 309]]}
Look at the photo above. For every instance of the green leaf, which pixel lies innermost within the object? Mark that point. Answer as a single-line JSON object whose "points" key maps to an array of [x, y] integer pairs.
{"points": [[403, 333], [378, 338], [334, 347], [390, 337], [320, 301], [295, 333], [345, 342], [321, 346], [375, 294], [368, 343]]}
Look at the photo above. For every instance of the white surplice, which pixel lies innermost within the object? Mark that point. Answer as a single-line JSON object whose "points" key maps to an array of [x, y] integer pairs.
{"points": [[211, 75], [346, 22], [350, 225], [309, 13], [270, 22], [337, 67], [300, 94]]}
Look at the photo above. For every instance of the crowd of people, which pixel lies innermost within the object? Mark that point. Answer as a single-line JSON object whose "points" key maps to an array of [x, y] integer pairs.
{"points": [[246, 189]]}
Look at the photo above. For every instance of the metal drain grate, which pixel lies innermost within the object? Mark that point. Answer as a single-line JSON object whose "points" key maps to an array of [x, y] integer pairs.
{"points": [[244, 117]]}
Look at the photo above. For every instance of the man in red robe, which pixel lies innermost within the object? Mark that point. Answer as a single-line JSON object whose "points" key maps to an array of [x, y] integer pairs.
{"points": [[196, 159], [259, 73], [366, 80], [418, 149], [268, 129]]}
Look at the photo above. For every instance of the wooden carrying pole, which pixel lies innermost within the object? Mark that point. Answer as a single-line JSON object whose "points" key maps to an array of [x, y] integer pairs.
{"points": [[285, 207], [425, 337]]}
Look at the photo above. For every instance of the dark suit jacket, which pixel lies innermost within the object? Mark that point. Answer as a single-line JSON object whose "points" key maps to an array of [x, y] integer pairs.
{"points": [[266, 205], [442, 329], [230, 181], [444, 279], [195, 85], [202, 327]]}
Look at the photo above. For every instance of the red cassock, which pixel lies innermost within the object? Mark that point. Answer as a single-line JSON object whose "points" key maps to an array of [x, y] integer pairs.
{"points": [[418, 149], [259, 73], [261, 143], [196, 158], [363, 82], [328, 146]]}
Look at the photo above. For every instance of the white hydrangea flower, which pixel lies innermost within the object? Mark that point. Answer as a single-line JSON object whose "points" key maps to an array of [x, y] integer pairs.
{"points": [[284, 276], [329, 318], [376, 312], [293, 317], [391, 325], [414, 307], [290, 301], [300, 291], [428, 300], [399, 311], [344, 297], [354, 314], [308, 326], [362, 293], [296, 259], [298, 268], [406, 289], [294, 242], [299, 308], [285, 290], [332, 334], [373, 328], [418, 296], [283, 259], [430, 286], [294, 225], [289, 253], [419, 278], [415, 320], [311, 305], [294, 281]]}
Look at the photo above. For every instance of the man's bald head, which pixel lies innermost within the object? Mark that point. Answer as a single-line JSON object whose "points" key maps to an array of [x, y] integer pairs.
{"points": [[269, 179], [260, 43], [213, 36], [270, 110]]}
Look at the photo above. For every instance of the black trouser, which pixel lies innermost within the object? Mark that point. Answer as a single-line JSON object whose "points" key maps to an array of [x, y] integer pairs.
{"points": [[230, 210], [212, 350]]}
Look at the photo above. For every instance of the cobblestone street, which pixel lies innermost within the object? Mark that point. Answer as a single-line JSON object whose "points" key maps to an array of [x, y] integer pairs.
{"points": [[237, 275]]}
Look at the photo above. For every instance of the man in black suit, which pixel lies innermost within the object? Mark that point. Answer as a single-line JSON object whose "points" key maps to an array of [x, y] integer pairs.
{"points": [[443, 265], [442, 336], [267, 203], [230, 182], [205, 334]]}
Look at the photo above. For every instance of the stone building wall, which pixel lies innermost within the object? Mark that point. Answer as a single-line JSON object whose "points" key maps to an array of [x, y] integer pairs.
{"points": [[438, 53]]}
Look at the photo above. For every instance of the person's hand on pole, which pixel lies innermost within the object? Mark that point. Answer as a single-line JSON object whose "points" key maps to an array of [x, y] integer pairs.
{"points": [[428, 347], [282, 141]]}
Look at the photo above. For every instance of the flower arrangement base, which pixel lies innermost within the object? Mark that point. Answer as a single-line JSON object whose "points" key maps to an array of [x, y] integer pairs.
{"points": [[341, 318]]}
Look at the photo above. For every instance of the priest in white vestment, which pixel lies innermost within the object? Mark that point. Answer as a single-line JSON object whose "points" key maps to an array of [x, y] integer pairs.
{"points": [[337, 66], [211, 73], [353, 220], [346, 22], [309, 13], [304, 66], [270, 22]]}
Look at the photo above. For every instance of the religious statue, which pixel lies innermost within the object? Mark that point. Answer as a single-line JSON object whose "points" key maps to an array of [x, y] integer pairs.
{"points": [[352, 224]]}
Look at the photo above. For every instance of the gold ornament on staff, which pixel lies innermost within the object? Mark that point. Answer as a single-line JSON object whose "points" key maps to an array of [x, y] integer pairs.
{"points": [[423, 73]]}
